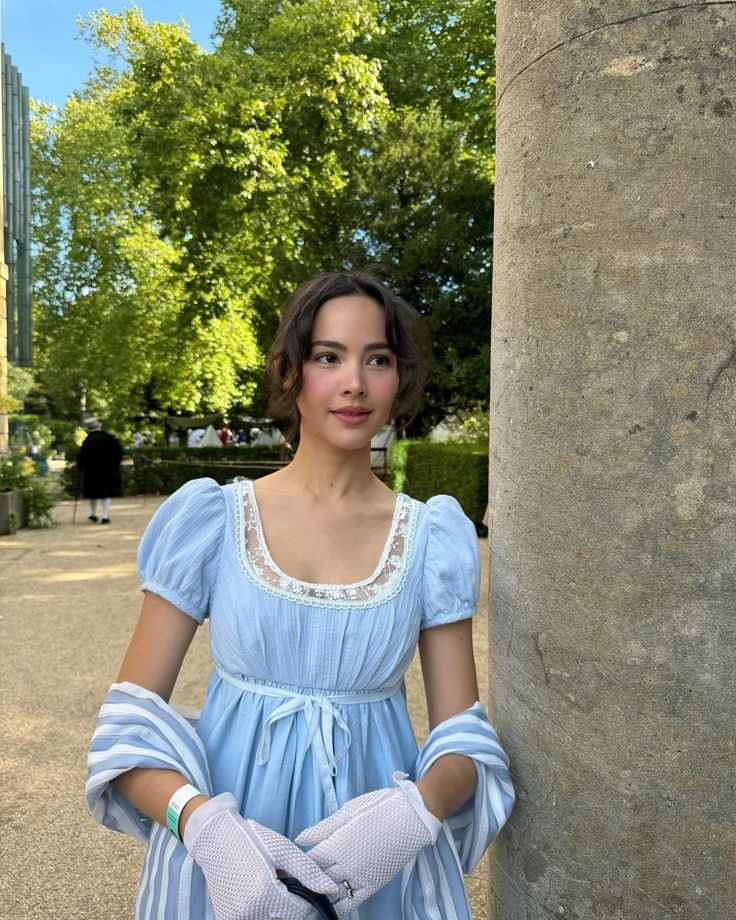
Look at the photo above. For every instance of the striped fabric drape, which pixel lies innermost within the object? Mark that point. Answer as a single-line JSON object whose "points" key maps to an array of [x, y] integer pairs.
{"points": [[432, 887], [137, 728]]}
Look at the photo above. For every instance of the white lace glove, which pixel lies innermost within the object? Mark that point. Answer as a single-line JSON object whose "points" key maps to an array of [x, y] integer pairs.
{"points": [[239, 859], [370, 839]]}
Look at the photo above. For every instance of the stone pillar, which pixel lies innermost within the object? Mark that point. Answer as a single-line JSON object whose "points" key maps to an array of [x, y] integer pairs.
{"points": [[613, 459]]}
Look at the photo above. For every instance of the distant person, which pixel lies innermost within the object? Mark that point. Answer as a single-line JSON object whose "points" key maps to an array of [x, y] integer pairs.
{"points": [[98, 463], [37, 452], [224, 436], [194, 437]]}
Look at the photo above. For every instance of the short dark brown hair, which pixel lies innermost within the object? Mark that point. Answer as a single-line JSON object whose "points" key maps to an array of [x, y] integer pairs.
{"points": [[405, 333]]}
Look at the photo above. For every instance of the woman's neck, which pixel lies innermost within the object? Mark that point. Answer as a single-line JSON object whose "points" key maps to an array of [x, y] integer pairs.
{"points": [[329, 473]]}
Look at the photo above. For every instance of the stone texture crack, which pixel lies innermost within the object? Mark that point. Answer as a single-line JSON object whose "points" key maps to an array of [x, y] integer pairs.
{"points": [[538, 647], [726, 363], [606, 25]]}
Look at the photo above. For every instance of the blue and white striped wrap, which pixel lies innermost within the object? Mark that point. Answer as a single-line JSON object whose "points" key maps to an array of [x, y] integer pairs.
{"points": [[432, 886], [137, 728]]}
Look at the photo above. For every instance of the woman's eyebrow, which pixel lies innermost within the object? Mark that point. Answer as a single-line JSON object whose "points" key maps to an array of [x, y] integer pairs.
{"points": [[372, 346]]}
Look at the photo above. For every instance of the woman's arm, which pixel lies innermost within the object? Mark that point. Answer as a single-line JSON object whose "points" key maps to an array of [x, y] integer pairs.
{"points": [[451, 686], [153, 660], [160, 641], [240, 858]]}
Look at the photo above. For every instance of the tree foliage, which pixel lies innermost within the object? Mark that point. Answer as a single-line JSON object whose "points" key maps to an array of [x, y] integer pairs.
{"points": [[110, 290], [182, 193], [20, 383]]}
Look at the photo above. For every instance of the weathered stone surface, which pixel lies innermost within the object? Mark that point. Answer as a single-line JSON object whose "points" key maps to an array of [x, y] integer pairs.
{"points": [[613, 430]]}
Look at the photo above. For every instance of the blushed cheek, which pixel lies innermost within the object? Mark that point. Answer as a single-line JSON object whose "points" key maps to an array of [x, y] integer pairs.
{"points": [[386, 389], [315, 388]]}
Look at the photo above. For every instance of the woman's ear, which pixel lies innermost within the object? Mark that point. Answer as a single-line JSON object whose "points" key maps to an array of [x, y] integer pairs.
{"points": [[285, 380]]}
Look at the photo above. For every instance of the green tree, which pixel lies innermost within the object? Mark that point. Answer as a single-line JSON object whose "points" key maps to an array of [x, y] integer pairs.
{"points": [[423, 213], [423, 196], [20, 383], [241, 148], [110, 293], [192, 190], [416, 198]]}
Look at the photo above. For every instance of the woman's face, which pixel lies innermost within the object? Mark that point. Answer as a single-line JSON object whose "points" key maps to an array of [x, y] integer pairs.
{"points": [[350, 378]]}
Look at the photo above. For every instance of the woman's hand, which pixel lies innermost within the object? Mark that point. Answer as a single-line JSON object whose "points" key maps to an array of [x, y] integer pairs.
{"points": [[364, 844], [239, 859]]}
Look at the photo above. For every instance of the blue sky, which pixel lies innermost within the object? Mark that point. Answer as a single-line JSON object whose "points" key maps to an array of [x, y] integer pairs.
{"points": [[41, 37]]}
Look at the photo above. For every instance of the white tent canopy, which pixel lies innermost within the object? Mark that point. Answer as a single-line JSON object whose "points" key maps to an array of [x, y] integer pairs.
{"points": [[211, 438]]}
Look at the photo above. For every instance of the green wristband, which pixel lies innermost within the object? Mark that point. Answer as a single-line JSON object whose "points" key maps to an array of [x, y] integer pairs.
{"points": [[176, 805]]}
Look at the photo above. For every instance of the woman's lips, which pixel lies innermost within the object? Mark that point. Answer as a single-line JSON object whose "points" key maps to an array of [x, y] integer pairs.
{"points": [[351, 418]]}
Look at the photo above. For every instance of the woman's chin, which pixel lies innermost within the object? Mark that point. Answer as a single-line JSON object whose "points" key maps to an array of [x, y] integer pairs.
{"points": [[348, 439]]}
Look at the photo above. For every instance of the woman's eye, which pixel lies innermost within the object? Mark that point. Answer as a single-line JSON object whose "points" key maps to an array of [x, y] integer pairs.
{"points": [[382, 360], [326, 358]]}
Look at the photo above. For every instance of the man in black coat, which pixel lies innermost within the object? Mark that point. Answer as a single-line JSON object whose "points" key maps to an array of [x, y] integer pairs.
{"points": [[98, 463]]}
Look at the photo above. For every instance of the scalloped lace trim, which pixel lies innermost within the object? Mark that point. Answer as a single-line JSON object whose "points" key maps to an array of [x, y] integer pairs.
{"points": [[385, 582]]}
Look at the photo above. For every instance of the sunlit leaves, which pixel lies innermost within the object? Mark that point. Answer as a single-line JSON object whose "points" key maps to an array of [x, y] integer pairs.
{"points": [[182, 193]]}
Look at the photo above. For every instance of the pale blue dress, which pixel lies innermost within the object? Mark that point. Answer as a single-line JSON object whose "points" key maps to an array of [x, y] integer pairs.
{"points": [[306, 704]]}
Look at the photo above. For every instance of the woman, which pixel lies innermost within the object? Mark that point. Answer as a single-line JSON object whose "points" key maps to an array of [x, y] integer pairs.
{"points": [[319, 582]]}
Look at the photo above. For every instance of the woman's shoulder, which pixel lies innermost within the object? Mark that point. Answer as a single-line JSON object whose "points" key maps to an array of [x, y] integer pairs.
{"points": [[203, 485], [204, 488], [451, 563], [198, 500], [442, 508], [180, 549], [442, 503], [447, 529], [450, 534]]}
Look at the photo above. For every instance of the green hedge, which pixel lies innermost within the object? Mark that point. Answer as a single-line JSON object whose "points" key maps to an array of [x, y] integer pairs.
{"points": [[426, 468], [162, 470]]}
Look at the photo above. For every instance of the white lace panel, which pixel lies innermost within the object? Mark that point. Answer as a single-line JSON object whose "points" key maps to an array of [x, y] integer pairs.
{"points": [[385, 582]]}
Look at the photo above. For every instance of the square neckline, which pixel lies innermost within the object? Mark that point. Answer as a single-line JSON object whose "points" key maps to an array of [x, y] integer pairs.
{"points": [[387, 546]]}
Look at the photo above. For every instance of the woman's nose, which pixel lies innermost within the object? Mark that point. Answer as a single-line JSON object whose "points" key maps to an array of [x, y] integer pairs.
{"points": [[354, 380]]}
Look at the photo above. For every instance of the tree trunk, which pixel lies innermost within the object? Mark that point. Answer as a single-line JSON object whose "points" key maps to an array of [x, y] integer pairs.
{"points": [[613, 438]]}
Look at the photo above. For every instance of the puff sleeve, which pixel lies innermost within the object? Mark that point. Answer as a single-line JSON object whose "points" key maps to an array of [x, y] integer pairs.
{"points": [[179, 553], [452, 564]]}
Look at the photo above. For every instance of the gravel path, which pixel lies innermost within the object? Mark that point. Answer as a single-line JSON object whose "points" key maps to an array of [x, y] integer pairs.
{"points": [[68, 604]]}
